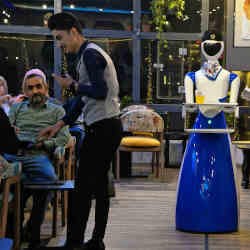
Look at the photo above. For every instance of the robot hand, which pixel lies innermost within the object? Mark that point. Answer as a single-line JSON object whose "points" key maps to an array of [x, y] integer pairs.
{"points": [[245, 94]]}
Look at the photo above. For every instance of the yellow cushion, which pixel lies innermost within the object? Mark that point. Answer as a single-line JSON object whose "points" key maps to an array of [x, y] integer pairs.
{"points": [[142, 133], [139, 141]]}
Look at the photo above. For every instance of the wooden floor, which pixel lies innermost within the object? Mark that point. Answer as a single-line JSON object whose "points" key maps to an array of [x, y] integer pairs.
{"points": [[142, 217]]}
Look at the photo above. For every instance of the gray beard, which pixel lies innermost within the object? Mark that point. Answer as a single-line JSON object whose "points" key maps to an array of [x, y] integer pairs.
{"points": [[37, 100]]}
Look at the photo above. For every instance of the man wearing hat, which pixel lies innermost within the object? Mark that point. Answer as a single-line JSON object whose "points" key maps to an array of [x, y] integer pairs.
{"points": [[30, 117]]}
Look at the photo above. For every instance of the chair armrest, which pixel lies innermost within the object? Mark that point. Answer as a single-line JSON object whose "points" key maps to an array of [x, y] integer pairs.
{"points": [[11, 171], [59, 153], [72, 142]]}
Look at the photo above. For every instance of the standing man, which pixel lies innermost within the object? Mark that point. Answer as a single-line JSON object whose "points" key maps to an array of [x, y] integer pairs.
{"points": [[96, 82]]}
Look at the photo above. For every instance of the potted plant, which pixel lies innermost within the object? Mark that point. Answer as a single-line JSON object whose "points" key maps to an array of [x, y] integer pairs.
{"points": [[160, 10]]}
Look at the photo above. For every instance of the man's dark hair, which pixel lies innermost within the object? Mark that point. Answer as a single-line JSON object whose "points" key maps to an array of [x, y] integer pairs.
{"points": [[64, 21]]}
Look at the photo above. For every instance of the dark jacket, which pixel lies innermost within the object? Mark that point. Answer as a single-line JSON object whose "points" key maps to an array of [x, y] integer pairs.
{"points": [[9, 142]]}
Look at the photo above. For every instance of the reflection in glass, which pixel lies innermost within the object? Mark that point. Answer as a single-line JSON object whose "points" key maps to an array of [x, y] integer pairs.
{"points": [[147, 77], [163, 70], [18, 53], [120, 51], [216, 15], [121, 54], [191, 22], [109, 15], [17, 12]]}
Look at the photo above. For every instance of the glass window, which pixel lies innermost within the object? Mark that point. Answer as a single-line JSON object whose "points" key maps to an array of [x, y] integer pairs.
{"points": [[120, 50], [121, 54], [19, 53], [145, 5], [163, 70], [25, 12], [191, 22], [96, 14], [216, 15]]}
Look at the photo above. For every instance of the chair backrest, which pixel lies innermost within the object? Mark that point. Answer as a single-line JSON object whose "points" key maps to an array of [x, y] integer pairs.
{"points": [[134, 107], [143, 120]]}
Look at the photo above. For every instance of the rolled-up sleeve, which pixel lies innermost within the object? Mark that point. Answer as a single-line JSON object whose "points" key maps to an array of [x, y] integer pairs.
{"points": [[63, 135]]}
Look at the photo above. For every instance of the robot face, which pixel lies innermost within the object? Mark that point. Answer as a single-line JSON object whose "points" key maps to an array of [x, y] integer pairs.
{"points": [[212, 49]]}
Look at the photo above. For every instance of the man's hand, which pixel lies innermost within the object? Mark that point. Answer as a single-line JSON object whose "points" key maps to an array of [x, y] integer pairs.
{"points": [[17, 99], [51, 131], [4, 99], [16, 129], [65, 82]]}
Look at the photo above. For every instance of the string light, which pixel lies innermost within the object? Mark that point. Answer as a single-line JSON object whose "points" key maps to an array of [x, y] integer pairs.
{"points": [[51, 40]]}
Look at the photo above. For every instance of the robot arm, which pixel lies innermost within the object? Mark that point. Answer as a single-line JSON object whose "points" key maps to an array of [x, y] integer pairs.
{"points": [[234, 91], [189, 88]]}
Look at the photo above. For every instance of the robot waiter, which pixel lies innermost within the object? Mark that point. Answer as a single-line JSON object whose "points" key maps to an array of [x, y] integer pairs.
{"points": [[207, 197]]}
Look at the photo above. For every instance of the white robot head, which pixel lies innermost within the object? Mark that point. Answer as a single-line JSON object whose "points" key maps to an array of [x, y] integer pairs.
{"points": [[212, 46]]}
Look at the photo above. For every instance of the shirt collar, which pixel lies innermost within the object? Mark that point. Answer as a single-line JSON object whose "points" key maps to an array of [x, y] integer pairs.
{"points": [[82, 48]]}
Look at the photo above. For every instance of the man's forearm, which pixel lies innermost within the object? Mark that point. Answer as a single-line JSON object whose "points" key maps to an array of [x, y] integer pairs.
{"points": [[60, 124]]}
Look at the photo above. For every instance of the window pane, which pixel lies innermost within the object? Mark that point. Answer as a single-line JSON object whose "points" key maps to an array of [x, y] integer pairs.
{"points": [[191, 22], [145, 5], [216, 15], [121, 54], [18, 53], [24, 12], [163, 78], [120, 51], [97, 14]]}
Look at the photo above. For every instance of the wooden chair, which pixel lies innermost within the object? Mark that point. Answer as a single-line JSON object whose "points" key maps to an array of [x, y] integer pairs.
{"points": [[146, 128], [6, 183], [63, 168]]}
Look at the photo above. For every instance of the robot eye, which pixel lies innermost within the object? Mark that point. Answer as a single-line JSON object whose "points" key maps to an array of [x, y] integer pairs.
{"points": [[212, 49]]}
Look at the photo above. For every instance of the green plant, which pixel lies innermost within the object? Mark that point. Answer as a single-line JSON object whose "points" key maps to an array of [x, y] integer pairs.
{"points": [[146, 19], [159, 9], [126, 101]]}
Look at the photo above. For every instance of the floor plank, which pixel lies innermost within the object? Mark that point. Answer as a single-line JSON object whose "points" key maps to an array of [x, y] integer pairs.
{"points": [[142, 217]]}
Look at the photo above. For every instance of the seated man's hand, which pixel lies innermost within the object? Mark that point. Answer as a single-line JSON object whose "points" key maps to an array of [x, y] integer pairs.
{"points": [[51, 131], [38, 145], [16, 129], [17, 99], [4, 99]]}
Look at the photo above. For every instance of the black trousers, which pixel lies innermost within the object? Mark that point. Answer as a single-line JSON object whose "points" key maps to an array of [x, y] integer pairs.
{"points": [[41, 200], [99, 146]]}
